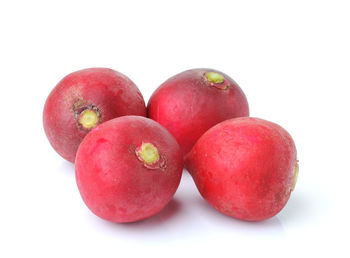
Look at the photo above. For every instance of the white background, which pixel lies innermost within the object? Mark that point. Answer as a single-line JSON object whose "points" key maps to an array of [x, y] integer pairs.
{"points": [[292, 60]]}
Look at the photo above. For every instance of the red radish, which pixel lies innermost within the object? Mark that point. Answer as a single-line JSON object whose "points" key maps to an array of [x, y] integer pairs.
{"points": [[84, 99], [245, 167], [128, 169], [190, 103]]}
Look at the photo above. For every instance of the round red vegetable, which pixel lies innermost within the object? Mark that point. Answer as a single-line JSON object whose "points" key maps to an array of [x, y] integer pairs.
{"points": [[84, 99], [190, 103], [245, 167], [128, 169]]}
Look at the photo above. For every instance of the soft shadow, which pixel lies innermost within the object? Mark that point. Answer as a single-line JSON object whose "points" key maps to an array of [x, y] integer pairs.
{"points": [[172, 208], [67, 168], [295, 207], [243, 227], [304, 206]]}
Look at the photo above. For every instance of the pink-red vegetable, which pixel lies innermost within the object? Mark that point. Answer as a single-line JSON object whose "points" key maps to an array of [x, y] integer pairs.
{"points": [[128, 169], [245, 167], [84, 99]]}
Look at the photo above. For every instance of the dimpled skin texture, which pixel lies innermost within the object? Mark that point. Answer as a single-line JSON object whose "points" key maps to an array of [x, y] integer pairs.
{"points": [[111, 92], [113, 182], [188, 105], [244, 167]]}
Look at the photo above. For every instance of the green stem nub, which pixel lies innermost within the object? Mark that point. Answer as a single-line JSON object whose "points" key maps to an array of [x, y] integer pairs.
{"points": [[148, 153], [89, 118], [296, 173], [215, 77]]}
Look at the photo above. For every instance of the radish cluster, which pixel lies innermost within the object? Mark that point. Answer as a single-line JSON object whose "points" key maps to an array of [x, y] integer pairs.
{"points": [[129, 159]]}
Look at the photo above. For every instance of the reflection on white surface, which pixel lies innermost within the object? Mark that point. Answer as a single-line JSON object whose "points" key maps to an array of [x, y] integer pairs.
{"points": [[186, 216]]}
